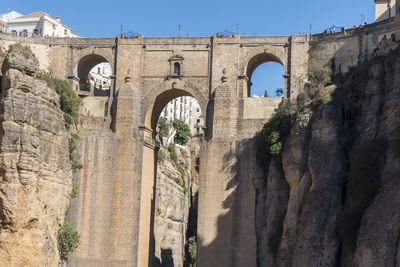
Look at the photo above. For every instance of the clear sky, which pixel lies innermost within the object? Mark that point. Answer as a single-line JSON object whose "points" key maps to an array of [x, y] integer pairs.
{"points": [[200, 18]]}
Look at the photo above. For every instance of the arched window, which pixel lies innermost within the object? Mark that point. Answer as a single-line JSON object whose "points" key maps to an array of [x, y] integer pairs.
{"points": [[177, 68], [267, 80]]}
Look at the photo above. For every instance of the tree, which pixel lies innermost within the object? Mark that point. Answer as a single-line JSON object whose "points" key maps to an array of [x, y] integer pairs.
{"points": [[266, 93], [164, 128], [279, 92], [183, 133]]}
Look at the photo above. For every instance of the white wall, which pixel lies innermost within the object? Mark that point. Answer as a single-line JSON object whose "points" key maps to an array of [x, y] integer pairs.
{"points": [[45, 25], [381, 9]]}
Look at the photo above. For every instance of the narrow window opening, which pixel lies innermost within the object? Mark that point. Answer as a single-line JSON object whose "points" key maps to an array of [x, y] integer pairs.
{"points": [[177, 68]]}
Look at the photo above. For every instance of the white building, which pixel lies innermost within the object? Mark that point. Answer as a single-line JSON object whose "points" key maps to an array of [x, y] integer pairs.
{"points": [[187, 109], [99, 76], [384, 9], [3, 26], [10, 16], [39, 23]]}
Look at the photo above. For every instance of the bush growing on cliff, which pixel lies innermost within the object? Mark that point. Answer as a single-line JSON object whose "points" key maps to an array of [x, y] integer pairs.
{"points": [[70, 102], [42, 75], [273, 135], [172, 153], [164, 128], [362, 186], [68, 240], [74, 191], [161, 155], [191, 250], [183, 133], [21, 49], [73, 154]]}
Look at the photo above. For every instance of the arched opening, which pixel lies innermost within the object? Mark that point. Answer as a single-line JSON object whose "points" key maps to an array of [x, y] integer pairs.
{"points": [[94, 75], [266, 77], [177, 68], [174, 217]]}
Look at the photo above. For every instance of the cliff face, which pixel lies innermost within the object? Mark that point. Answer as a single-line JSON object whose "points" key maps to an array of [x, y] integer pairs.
{"points": [[35, 171], [336, 200], [172, 203]]}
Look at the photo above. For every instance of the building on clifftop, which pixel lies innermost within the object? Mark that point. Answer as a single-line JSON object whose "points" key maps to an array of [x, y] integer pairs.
{"points": [[38, 23], [385, 9]]}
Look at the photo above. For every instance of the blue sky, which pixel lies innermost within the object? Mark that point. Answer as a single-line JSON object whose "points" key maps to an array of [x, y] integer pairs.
{"points": [[201, 18]]}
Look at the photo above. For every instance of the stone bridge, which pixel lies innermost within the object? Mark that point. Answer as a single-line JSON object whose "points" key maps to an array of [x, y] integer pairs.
{"points": [[114, 209]]}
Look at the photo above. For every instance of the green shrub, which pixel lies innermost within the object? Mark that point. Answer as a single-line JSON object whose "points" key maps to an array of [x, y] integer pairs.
{"points": [[276, 236], [180, 169], [326, 98], [42, 75], [164, 128], [362, 186], [21, 49], [271, 138], [68, 240], [191, 251], [172, 152], [74, 157], [74, 191], [70, 102], [183, 133], [161, 155]]}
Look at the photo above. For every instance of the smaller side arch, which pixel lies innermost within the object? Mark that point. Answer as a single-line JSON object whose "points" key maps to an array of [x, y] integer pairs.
{"points": [[84, 61], [255, 58]]}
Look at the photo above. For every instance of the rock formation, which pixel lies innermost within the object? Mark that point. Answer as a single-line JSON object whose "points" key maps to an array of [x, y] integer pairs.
{"points": [[35, 171], [172, 203], [335, 203]]}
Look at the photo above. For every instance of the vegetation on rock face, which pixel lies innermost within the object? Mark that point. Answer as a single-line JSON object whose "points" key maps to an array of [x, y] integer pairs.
{"points": [[68, 240], [362, 186], [70, 102], [180, 169], [192, 252], [183, 133], [73, 154], [172, 152], [164, 128], [273, 135], [161, 156], [21, 49], [74, 191]]}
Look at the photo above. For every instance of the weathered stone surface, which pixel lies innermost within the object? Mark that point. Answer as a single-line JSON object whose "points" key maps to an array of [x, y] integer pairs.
{"points": [[315, 161], [172, 203], [35, 170]]}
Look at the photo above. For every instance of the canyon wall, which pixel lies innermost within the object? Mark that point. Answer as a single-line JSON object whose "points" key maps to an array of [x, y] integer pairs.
{"points": [[333, 201], [35, 170]]}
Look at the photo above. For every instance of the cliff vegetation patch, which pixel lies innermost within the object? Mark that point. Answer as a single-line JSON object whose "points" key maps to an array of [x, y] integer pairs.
{"points": [[73, 153], [68, 240], [183, 133], [273, 135]]}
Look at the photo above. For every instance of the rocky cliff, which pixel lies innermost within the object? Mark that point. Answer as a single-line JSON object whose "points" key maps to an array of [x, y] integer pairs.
{"points": [[35, 171], [175, 188], [330, 196]]}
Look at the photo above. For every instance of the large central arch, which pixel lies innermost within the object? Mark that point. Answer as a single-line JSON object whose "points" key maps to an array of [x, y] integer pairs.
{"points": [[152, 106]]}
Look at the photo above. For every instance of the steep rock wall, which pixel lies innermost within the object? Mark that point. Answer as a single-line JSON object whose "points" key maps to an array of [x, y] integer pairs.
{"points": [[301, 210], [172, 204], [35, 171]]}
